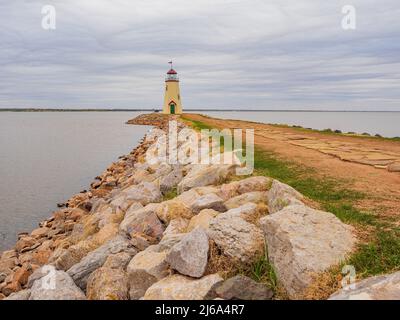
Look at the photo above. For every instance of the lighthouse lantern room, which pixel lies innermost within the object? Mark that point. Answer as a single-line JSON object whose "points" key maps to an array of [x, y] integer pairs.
{"points": [[172, 100]]}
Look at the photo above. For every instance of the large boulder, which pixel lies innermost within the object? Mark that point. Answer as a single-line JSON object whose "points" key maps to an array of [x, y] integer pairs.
{"points": [[178, 287], [143, 221], [204, 175], [95, 259], [237, 238], [384, 287], [303, 242], [51, 284], [241, 287], [255, 197], [190, 255], [145, 193], [281, 195], [208, 201], [146, 268]]}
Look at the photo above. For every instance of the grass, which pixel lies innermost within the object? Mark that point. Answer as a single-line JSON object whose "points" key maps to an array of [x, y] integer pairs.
{"points": [[171, 194], [377, 256]]}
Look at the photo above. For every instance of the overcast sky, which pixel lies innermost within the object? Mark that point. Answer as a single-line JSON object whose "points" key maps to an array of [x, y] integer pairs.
{"points": [[253, 54]]}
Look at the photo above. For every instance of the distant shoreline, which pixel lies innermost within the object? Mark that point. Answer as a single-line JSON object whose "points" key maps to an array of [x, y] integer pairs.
{"points": [[187, 110]]}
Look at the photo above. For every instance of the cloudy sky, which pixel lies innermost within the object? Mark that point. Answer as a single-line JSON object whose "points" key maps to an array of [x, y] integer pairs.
{"points": [[253, 54]]}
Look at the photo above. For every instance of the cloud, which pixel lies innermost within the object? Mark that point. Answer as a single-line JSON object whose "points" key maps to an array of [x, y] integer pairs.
{"points": [[229, 54]]}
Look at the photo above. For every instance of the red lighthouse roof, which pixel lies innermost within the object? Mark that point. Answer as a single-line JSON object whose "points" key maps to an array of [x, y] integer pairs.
{"points": [[172, 71]]}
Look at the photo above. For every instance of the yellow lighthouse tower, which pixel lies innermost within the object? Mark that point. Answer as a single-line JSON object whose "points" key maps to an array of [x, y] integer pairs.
{"points": [[172, 100]]}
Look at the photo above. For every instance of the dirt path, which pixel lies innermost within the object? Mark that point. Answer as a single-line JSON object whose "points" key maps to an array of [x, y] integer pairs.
{"points": [[360, 161]]}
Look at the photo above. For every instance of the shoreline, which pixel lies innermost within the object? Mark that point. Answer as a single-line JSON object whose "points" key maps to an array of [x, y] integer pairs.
{"points": [[128, 236]]}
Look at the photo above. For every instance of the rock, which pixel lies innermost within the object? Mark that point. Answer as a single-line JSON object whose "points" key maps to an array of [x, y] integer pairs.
{"points": [[208, 201], [20, 295], [146, 268], [302, 241], [202, 220], [22, 274], [168, 241], [55, 285], [254, 197], [145, 193], [384, 287], [188, 197], [178, 287], [190, 255], [95, 259], [144, 222], [40, 232], [176, 226], [173, 209], [65, 259], [259, 183], [229, 190], [11, 287], [10, 254], [394, 167], [25, 242], [242, 288], [2, 296], [281, 195], [236, 237], [118, 261], [171, 180], [204, 176], [108, 284]]}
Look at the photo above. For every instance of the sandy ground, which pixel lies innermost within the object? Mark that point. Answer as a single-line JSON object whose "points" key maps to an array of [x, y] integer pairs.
{"points": [[360, 161]]}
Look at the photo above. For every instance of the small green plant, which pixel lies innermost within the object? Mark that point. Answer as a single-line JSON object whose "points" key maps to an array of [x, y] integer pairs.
{"points": [[171, 194]]}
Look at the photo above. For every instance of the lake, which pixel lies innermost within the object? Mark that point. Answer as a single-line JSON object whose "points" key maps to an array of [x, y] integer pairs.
{"points": [[47, 157], [386, 124]]}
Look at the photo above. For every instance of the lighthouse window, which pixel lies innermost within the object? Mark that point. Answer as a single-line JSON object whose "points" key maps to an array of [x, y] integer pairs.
{"points": [[166, 88], [179, 97]]}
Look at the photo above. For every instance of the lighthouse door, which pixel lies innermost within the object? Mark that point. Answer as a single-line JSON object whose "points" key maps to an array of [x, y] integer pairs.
{"points": [[172, 108]]}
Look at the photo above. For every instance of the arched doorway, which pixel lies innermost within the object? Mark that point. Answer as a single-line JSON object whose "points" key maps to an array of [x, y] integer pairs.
{"points": [[172, 108]]}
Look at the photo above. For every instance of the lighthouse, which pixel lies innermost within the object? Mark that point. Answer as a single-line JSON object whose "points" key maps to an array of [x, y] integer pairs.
{"points": [[172, 100]]}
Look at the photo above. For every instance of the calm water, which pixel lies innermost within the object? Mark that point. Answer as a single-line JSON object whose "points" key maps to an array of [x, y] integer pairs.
{"points": [[386, 124], [47, 157]]}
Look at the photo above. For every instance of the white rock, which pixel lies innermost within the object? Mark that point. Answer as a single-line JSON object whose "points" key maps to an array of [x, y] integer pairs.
{"points": [[236, 237], [190, 255], [303, 242]]}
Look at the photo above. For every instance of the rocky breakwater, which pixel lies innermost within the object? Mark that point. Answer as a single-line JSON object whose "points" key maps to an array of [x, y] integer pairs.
{"points": [[161, 231]]}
